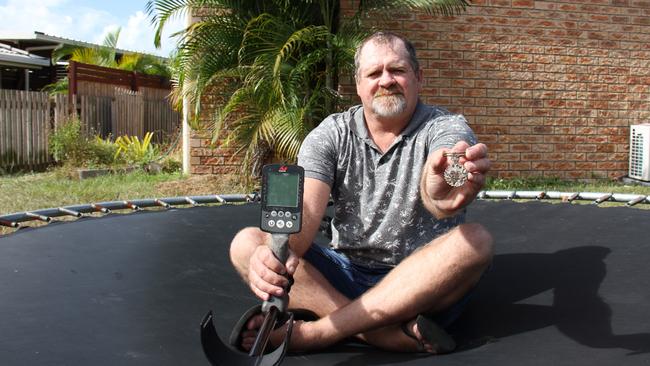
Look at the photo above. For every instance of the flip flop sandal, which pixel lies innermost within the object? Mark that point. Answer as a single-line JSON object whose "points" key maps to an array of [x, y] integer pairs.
{"points": [[432, 334]]}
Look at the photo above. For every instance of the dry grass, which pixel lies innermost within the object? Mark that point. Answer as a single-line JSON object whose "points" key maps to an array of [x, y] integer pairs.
{"points": [[197, 185], [33, 191]]}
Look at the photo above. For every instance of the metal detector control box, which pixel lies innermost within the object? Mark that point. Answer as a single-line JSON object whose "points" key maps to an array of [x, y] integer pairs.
{"points": [[282, 189]]}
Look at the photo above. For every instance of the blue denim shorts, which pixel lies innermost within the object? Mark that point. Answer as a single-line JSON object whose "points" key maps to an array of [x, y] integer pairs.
{"points": [[352, 279]]}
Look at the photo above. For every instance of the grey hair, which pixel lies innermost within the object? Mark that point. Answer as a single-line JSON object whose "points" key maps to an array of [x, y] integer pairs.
{"points": [[387, 38]]}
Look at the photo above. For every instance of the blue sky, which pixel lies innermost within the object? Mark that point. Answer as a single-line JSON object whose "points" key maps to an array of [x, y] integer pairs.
{"points": [[87, 20]]}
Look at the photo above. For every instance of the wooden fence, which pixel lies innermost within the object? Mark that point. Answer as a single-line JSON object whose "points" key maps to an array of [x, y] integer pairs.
{"points": [[27, 118], [24, 129], [128, 113]]}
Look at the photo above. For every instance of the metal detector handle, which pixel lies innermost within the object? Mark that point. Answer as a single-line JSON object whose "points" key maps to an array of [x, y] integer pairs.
{"points": [[280, 247]]}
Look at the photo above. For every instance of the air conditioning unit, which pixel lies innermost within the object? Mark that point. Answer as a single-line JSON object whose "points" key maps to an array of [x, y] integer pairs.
{"points": [[640, 152]]}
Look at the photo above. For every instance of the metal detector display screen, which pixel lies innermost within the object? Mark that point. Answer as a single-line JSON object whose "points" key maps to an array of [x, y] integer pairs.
{"points": [[282, 190]]}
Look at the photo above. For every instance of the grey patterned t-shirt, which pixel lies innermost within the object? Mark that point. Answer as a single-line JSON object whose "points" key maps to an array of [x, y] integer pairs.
{"points": [[379, 216]]}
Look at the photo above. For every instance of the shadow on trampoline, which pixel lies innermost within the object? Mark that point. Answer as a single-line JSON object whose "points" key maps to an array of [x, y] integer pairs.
{"points": [[525, 292]]}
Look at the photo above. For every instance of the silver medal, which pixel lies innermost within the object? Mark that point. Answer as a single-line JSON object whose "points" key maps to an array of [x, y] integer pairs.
{"points": [[455, 174]]}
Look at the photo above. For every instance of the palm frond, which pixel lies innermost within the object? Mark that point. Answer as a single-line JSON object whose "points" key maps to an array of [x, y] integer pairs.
{"points": [[162, 11], [434, 7]]}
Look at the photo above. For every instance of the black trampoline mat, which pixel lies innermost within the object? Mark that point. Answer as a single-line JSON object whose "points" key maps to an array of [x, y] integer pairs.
{"points": [[570, 285]]}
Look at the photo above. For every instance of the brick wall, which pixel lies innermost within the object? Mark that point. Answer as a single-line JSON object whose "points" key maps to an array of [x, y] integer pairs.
{"points": [[205, 158], [550, 86]]}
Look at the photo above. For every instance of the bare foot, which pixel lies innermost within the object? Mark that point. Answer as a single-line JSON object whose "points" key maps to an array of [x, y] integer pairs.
{"points": [[412, 326], [301, 337], [249, 334], [393, 338]]}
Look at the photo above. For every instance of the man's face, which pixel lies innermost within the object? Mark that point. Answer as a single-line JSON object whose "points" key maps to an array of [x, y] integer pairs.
{"points": [[386, 83]]}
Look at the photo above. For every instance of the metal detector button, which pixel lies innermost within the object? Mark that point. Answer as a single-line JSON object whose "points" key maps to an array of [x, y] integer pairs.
{"points": [[274, 213], [272, 223], [289, 224], [280, 224], [287, 214], [281, 213]]}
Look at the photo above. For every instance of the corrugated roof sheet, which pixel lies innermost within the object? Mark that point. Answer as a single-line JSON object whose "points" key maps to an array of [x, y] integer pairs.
{"points": [[17, 57]]}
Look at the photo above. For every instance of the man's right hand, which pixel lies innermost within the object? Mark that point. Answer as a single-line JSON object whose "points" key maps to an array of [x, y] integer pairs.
{"points": [[267, 276]]}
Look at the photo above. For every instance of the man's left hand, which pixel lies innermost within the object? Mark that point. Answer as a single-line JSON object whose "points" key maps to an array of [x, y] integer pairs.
{"points": [[445, 199]]}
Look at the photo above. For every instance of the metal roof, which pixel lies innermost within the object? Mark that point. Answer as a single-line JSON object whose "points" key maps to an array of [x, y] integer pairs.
{"points": [[10, 56]]}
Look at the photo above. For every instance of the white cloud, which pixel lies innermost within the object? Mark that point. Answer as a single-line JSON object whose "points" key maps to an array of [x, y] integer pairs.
{"points": [[63, 19], [138, 35]]}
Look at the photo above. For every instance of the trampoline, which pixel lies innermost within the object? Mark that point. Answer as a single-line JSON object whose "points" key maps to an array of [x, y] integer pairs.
{"points": [[570, 285]]}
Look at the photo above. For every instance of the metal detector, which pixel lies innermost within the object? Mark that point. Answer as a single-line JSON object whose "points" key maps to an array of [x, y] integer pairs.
{"points": [[281, 215]]}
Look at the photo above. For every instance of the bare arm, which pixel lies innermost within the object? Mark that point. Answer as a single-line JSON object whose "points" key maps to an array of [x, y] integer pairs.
{"points": [[315, 199], [443, 200]]}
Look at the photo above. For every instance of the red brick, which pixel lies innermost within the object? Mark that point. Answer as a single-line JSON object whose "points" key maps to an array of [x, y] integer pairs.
{"points": [[532, 139], [523, 3], [531, 156], [586, 148], [606, 165], [499, 166], [564, 165], [605, 148], [509, 139], [201, 169], [522, 165], [195, 143], [542, 165], [565, 147], [487, 138], [520, 148], [543, 148], [586, 166], [575, 156]]}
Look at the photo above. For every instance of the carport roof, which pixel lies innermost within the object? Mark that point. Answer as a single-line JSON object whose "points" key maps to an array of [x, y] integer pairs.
{"points": [[10, 56]]}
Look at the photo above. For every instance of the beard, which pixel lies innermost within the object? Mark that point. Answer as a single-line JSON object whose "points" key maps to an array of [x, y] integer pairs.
{"points": [[388, 103]]}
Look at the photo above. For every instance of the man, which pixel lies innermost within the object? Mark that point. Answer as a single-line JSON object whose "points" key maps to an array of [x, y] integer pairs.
{"points": [[402, 262]]}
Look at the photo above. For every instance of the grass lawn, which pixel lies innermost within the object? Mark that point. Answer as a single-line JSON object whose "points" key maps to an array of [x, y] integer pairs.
{"points": [[53, 189], [545, 184]]}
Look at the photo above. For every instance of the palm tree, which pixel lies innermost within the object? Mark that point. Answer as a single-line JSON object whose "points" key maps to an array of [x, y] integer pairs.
{"points": [[106, 56], [275, 60]]}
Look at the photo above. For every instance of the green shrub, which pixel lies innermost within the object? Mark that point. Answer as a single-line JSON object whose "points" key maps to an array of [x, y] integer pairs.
{"points": [[134, 151], [103, 152], [67, 143], [69, 146], [171, 165]]}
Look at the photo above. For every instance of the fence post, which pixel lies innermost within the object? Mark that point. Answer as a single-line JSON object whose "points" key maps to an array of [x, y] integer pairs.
{"points": [[134, 81], [72, 85]]}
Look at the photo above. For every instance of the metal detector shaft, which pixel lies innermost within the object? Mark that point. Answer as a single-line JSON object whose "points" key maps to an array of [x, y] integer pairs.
{"points": [[264, 333], [280, 247], [275, 305]]}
